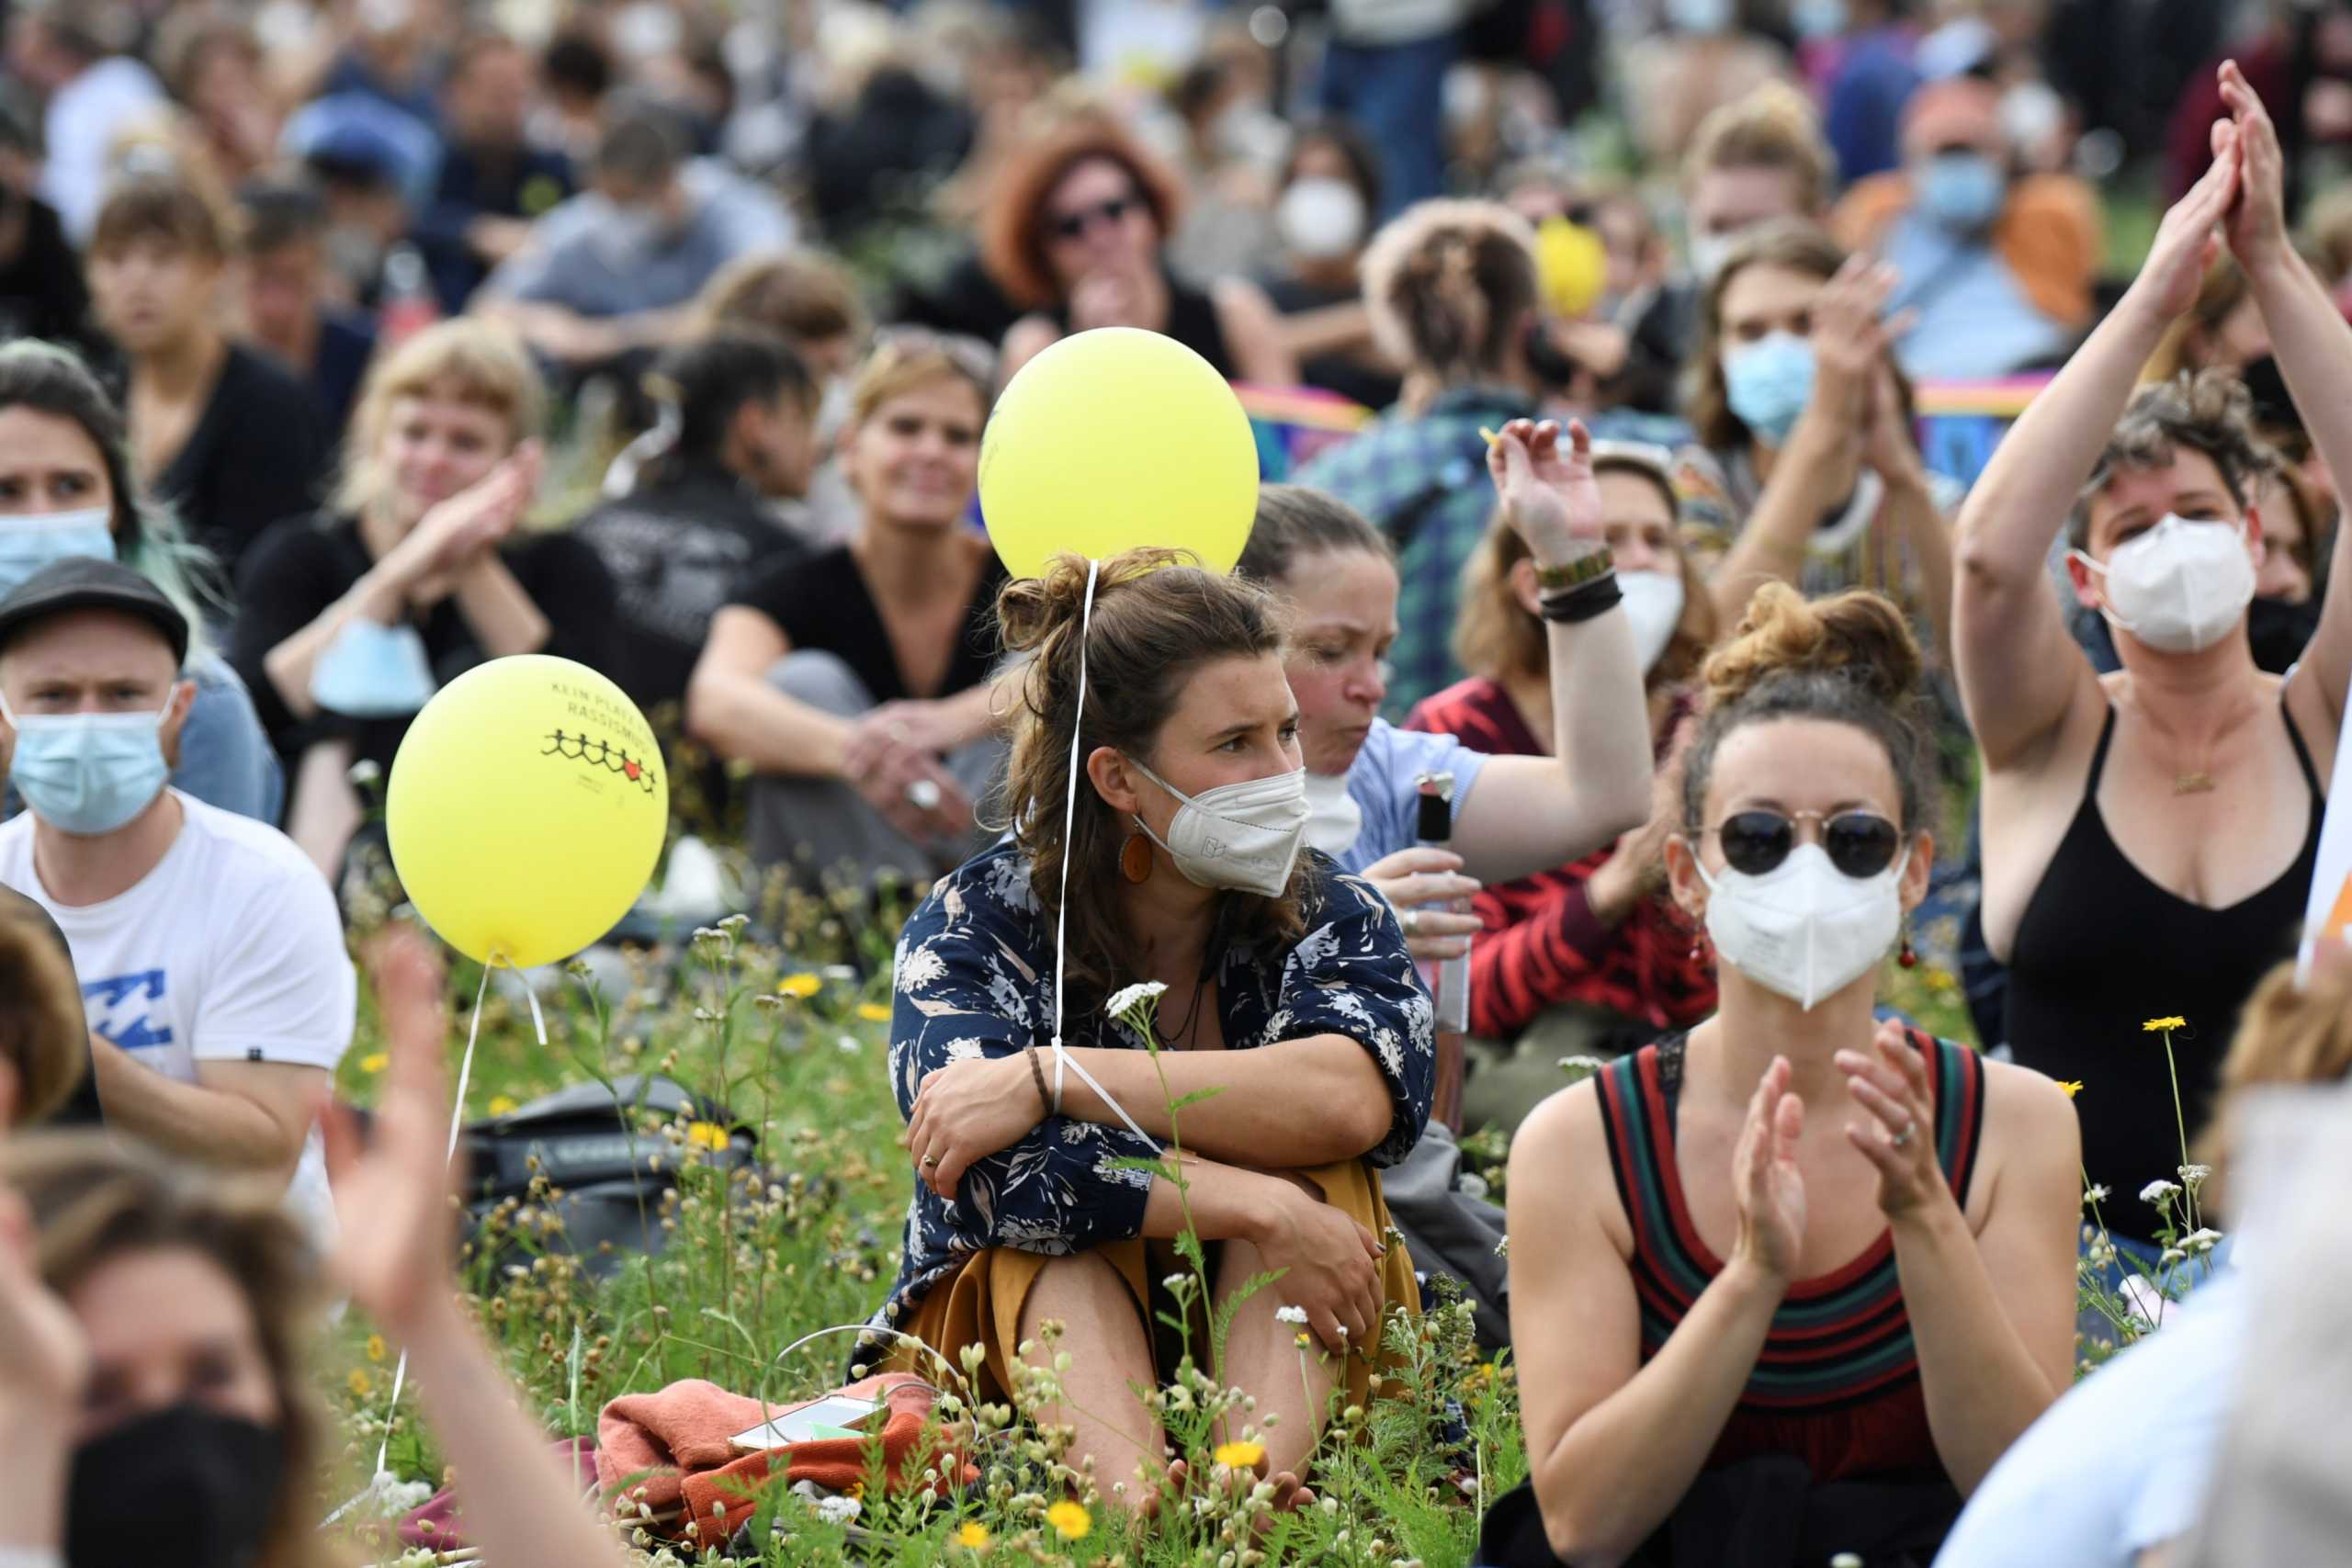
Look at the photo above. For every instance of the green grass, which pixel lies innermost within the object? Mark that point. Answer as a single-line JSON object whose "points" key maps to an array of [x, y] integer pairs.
{"points": [[811, 1243]]}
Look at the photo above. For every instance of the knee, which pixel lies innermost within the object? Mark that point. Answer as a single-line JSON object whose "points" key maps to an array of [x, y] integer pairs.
{"points": [[822, 681]]}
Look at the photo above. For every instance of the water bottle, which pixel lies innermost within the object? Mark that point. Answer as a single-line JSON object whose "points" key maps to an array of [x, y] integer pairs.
{"points": [[1451, 983], [408, 304]]}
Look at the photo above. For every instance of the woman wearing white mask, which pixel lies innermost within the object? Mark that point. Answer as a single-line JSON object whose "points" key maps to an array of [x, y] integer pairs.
{"points": [[349, 621], [1588, 958], [1511, 816], [1806, 470], [67, 489], [1808, 1254], [1290, 1012], [1331, 189], [2150, 835]]}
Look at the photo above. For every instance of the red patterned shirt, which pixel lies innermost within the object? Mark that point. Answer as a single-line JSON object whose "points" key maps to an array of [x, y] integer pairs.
{"points": [[1542, 943]]}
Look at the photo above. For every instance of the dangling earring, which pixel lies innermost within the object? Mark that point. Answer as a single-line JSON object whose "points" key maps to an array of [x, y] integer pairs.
{"points": [[1135, 858], [1699, 954], [1909, 956]]}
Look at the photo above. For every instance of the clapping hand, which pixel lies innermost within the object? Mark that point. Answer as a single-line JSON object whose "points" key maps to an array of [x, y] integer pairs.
{"points": [[1889, 1081], [2189, 239], [1766, 1182], [2256, 222]]}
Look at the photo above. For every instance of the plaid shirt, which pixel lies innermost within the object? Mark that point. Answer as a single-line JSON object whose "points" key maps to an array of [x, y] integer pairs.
{"points": [[1434, 464]]}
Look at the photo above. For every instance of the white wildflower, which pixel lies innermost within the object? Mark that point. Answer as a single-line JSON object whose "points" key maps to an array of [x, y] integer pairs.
{"points": [[2201, 1240], [1292, 1315], [2194, 1174], [2159, 1191], [847, 1043], [2095, 1193], [1502, 1248], [1123, 1004], [2170, 1256], [1470, 1184], [1582, 1064], [1176, 1281], [839, 1510]]}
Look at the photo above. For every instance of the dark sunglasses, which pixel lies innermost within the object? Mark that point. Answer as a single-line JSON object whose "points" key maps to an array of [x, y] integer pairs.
{"points": [[1859, 843], [1074, 225]]}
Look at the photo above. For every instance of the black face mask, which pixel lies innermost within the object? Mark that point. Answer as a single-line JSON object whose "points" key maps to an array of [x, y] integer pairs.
{"points": [[2280, 631], [183, 1485]]}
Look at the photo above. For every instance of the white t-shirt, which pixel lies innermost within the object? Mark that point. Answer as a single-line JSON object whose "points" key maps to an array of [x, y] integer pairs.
{"points": [[229, 950]]}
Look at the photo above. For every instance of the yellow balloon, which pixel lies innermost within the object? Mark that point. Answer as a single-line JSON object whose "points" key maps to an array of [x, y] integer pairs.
{"points": [[1572, 264], [1115, 438], [526, 809]]}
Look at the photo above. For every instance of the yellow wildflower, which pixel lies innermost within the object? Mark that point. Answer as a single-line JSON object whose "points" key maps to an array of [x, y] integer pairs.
{"points": [[501, 1105], [2159, 1025], [374, 1062], [375, 1346], [1302, 1341], [874, 1012], [1070, 1521], [2070, 1087], [802, 986], [361, 1385], [706, 1135], [1241, 1456], [972, 1534]]}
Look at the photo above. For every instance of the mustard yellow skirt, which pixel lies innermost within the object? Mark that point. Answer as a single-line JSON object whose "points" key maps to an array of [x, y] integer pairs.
{"points": [[981, 1303]]}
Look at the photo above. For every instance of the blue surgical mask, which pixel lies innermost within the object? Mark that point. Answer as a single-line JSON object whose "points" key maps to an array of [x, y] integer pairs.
{"points": [[28, 543], [87, 774], [373, 671], [1962, 191], [1767, 383]]}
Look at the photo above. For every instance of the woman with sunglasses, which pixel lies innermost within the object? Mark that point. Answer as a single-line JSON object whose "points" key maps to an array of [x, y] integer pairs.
{"points": [[1811, 1257], [1074, 234], [855, 682]]}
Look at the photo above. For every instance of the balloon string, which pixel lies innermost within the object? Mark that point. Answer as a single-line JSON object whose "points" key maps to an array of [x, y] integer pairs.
{"points": [[1062, 1058], [456, 1121]]}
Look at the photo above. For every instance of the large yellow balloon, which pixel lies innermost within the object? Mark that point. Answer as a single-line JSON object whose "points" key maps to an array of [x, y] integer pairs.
{"points": [[526, 810], [1115, 438]]}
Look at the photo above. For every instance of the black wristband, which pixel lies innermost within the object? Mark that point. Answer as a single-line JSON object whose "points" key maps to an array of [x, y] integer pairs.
{"points": [[1571, 605]]}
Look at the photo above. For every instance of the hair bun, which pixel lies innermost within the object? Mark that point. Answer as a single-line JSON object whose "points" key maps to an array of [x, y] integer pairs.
{"points": [[1857, 634]]}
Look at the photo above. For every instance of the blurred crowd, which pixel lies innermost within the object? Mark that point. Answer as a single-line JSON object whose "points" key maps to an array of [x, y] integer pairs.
{"points": [[1967, 376]]}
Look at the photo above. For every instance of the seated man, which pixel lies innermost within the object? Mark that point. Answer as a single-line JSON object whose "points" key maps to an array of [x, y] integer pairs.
{"points": [[283, 270], [1996, 272], [493, 182], [614, 268], [210, 955]]}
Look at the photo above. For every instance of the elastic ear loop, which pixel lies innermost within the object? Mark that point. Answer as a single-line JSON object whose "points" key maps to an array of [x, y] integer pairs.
{"points": [[1061, 913], [456, 1121]]}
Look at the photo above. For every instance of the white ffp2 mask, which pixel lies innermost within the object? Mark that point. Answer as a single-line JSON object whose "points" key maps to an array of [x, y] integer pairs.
{"points": [[1654, 606], [2180, 586], [1805, 929], [1240, 836]]}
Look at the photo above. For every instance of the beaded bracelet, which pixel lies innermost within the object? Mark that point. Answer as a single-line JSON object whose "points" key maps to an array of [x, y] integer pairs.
{"points": [[1037, 1072]]}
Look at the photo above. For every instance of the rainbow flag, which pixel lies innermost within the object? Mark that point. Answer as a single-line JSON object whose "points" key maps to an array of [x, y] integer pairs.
{"points": [[1292, 423]]}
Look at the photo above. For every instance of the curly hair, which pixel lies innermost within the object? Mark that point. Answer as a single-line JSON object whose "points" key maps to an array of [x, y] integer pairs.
{"points": [[1157, 618], [1448, 284], [1849, 659], [1013, 241], [2204, 411]]}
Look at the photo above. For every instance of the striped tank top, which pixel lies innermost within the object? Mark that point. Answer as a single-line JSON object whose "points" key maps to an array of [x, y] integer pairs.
{"points": [[1838, 1384]]}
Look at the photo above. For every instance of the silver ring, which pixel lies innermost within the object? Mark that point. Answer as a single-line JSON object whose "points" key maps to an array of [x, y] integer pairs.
{"points": [[1902, 1139], [923, 795], [1411, 921]]}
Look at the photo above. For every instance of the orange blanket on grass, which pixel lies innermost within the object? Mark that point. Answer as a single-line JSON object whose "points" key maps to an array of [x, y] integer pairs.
{"points": [[672, 1450]]}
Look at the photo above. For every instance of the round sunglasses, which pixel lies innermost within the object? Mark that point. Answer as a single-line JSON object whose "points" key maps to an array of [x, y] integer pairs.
{"points": [[1859, 843]]}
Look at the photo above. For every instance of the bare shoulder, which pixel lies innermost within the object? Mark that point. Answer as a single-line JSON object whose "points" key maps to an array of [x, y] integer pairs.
{"points": [[2032, 1142], [1560, 1171]]}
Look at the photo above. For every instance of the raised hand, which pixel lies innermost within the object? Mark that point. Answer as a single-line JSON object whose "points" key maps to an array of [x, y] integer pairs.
{"points": [[2257, 220], [1548, 495], [392, 1194], [1850, 335], [1889, 1081], [2190, 237], [1767, 1183]]}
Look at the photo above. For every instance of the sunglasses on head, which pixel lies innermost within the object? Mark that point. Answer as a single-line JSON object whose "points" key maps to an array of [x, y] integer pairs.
{"points": [[1074, 225], [1859, 843]]}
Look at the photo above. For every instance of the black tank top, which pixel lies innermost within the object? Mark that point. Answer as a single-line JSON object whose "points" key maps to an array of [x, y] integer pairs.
{"points": [[1192, 321], [2101, 950]]}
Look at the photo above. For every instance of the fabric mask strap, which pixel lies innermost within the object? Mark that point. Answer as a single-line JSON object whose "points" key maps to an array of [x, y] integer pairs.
{"points": [[1061, 911]]}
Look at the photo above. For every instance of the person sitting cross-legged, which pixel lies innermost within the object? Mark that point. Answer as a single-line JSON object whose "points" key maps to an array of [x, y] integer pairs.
{"points": [[211, 957]]}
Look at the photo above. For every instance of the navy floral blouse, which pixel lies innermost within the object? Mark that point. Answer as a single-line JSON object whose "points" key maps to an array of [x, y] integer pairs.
{"points": [[975, 977]]}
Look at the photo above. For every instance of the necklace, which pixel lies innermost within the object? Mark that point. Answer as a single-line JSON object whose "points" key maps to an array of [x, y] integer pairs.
{"points": [[2199, 782], [1184, 1032]]}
